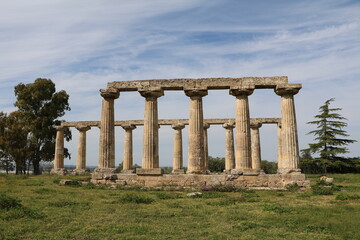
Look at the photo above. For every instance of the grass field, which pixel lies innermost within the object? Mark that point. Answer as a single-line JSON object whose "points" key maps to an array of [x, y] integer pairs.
{"points": [[37, 207]]}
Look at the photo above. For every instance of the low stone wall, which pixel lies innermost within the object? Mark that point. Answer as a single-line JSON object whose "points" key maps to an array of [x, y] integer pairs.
{"points": [[280, 181]]}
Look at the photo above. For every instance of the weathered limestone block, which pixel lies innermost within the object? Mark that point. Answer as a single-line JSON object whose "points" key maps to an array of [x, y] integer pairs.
{"points": [[58, 171], [149, 171]]}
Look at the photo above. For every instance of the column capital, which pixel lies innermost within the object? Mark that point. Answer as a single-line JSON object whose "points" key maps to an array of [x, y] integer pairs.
{"points": [[290, 89], [242, 91], [83, 128], [152, 94], [228, 125], [256, 125], [196, 93], [109, 93], [178, 126], [129, 127], [59, 127], [206, 125]]}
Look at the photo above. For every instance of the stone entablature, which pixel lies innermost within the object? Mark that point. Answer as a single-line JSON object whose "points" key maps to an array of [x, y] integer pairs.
{"points": [[201, 83], [215, 121]]}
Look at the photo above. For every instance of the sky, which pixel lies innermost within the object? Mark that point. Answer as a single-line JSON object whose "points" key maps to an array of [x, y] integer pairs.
{"points": [[81, 45]]}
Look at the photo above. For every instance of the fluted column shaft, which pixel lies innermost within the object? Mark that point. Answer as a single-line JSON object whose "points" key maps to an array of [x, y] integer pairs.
{"points": [[255, 146], [59, 147], [289, 139], [279, 146], [229, 146], [178, 151], [150, 155], [107, 129], [242, 125], [81, 150], [196, 158], [206, 146], [128, 147]]}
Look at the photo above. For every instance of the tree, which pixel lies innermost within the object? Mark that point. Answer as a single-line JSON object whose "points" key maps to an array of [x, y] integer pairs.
{"points": [[13, 141], [41, 106], [330, 136], [216, 164]]}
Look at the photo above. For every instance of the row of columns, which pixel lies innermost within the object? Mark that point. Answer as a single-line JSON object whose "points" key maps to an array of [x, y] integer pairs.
{"points": [[243, 158], [178, 147]]}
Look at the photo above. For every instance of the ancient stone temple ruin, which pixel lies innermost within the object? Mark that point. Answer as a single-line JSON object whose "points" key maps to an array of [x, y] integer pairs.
{"points": [[242, 159]]}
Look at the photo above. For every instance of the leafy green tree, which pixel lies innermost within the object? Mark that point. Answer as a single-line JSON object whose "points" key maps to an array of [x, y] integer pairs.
{"points": [[268, 167], [13, 141], [41, 106], [216, 164], [330, 136]]}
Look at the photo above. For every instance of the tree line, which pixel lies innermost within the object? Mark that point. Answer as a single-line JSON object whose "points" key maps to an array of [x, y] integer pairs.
{"points": [[27, 136]]}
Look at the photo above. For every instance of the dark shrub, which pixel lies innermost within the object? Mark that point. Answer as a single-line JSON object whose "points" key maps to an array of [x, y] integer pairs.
{"points": [[8, 203]]}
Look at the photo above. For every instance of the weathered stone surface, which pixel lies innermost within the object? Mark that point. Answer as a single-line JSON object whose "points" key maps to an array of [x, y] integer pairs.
{"points": [[199, 83], [58, 171], [69, 182], [215, 121], [327, 179], [149, 171], [178, 171]]}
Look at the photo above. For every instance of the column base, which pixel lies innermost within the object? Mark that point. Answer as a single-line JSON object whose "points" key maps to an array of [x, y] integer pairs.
{"points": [[150, 171], [178, 171], [288, 171], [58, 171]]}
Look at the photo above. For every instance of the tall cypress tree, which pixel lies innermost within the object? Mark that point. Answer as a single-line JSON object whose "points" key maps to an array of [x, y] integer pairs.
{"points": [[330, 136]]}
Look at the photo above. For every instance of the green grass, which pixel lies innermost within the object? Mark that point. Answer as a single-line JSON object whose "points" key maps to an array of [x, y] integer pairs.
{"points": [[37, 207]]}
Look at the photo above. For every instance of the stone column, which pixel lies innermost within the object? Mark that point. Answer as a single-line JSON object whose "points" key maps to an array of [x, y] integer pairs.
{"points": [[178, 152], [107, 129], [81, 151], [242, 125], [59, 147], [196, 159], [206, 147], [289, 139], [255, 146], [229, 147], [128, 148], [279, 146], [150, 155]]}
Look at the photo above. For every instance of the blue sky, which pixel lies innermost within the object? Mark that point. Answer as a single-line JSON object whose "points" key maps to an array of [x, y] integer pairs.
{"points": [[82, 45]]}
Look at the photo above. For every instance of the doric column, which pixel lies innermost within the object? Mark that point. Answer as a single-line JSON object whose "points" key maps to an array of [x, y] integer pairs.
{"points": [[255, 146], [279, 146], [206, 146], [150, 155], [178, 152], [242, 125], [196, 162], [59, 147], [81, 151], [229, 147], [107, 129], [289, 139], [128, 147]]}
